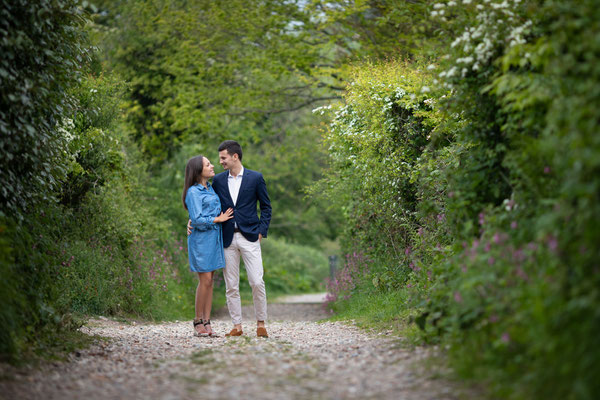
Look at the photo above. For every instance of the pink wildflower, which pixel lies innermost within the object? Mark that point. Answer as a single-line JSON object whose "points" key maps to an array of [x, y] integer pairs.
{"points": [[457, 297], [552, 243]]}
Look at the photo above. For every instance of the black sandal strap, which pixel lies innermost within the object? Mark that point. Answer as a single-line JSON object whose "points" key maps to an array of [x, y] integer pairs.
{"points": [[198, 322], [207, 322]]}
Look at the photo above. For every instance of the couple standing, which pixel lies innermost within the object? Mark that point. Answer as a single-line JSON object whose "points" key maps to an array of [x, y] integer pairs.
{"points": [[217, 238]]}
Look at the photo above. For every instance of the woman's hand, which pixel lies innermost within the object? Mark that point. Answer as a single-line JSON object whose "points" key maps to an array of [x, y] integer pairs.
{"points": [[224, 216]]}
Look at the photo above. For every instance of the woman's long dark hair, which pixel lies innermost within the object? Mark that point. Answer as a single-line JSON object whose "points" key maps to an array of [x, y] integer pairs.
{"points": [[193, 171]]}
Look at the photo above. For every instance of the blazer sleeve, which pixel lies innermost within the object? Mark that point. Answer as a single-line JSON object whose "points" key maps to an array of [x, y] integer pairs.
{"points": [[200, 220], [265, 206]]}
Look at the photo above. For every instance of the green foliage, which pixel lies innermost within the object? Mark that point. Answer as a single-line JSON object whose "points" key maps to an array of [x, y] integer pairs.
{"points": [[96, 154], [293, 268], [100, 250], [376, 29], [206, 70], [378, 137], [11, 298], [377, 310], [43, 53], [291, 161], [499, 255]]}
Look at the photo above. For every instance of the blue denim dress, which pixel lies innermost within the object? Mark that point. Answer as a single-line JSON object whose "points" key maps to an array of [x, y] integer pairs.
{"points": [[205, 244]]}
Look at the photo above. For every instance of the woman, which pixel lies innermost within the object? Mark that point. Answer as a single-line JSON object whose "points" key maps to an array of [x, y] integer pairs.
{"points": [[205, 244]]}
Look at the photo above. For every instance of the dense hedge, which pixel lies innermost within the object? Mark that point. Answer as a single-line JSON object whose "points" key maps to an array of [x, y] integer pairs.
{"points": [[471, 185], [43, 52], [77, 234]]}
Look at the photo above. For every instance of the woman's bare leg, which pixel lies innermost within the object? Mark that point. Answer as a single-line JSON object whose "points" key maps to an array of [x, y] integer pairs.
{"points": [[199, 305], [206, 281]]}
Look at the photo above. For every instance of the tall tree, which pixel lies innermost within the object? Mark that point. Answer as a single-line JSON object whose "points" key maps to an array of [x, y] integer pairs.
{"points": [[197, 67]]}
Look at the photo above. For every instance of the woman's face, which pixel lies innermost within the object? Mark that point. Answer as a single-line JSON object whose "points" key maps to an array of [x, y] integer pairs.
{"points": [[208, 171]]}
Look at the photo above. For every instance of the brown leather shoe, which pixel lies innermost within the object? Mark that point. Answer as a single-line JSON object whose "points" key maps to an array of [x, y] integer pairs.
{"points": [[234, 332], [261, 332]]}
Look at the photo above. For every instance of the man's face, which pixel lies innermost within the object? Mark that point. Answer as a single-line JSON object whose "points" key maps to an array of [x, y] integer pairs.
{"points": [[226, 160]]}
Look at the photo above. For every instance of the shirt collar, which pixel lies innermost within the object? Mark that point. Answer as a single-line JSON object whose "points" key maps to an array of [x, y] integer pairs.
{"points": [[208, 185], [240, 174]]}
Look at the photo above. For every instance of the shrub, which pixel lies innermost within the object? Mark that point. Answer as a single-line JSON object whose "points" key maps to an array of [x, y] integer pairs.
{"points": [[376, 141], [499, 251], [43, 54], [293, 268]]}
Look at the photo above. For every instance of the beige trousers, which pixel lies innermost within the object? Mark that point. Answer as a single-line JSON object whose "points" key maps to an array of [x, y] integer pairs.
{"points": [[251, 254]]}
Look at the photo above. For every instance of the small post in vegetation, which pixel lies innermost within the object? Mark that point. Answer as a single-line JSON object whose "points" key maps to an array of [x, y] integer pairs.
{"points": [[332, 266]]}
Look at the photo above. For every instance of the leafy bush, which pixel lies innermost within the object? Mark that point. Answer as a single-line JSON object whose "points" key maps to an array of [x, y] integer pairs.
{"points": [[376, 142], [89, 244], [43, 54], [293, 268], [498, 253]]}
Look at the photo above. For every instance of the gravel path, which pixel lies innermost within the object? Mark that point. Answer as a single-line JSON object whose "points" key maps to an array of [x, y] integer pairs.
{"points": [[302, 359]]}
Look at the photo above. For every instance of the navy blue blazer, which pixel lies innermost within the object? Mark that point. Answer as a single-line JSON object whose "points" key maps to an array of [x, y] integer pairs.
{"points": [[252, 189]]}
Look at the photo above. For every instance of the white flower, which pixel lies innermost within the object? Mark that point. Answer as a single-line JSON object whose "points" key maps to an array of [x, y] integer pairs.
{"points": [[425, 89], [504, 4], [466, 60]]}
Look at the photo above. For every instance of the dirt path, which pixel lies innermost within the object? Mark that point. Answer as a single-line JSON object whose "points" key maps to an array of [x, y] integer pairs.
{"points": [[302, 359]]}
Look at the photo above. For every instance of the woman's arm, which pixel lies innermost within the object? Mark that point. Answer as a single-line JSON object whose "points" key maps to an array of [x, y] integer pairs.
{"points": [[198, 216]]}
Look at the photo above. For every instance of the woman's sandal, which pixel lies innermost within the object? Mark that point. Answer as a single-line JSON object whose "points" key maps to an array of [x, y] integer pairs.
{"points": [[211, 333], [196, 323]]}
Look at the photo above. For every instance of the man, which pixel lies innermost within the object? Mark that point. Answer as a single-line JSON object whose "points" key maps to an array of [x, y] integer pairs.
{"points": [[241, 189]]}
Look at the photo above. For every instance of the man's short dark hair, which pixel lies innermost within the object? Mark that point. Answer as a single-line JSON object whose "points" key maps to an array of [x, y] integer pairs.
{"points": [[232, 148]]}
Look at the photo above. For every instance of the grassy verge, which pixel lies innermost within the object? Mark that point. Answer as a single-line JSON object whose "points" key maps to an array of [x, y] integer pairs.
{"points": [[380, 311]]}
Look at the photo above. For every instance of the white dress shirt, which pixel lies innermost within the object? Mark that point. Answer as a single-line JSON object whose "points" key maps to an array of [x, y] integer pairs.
{"points": [[234, 184]]}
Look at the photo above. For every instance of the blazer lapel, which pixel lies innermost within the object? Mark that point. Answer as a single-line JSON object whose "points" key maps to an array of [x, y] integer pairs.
{"points": [[245, 181], [225, 186]]}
